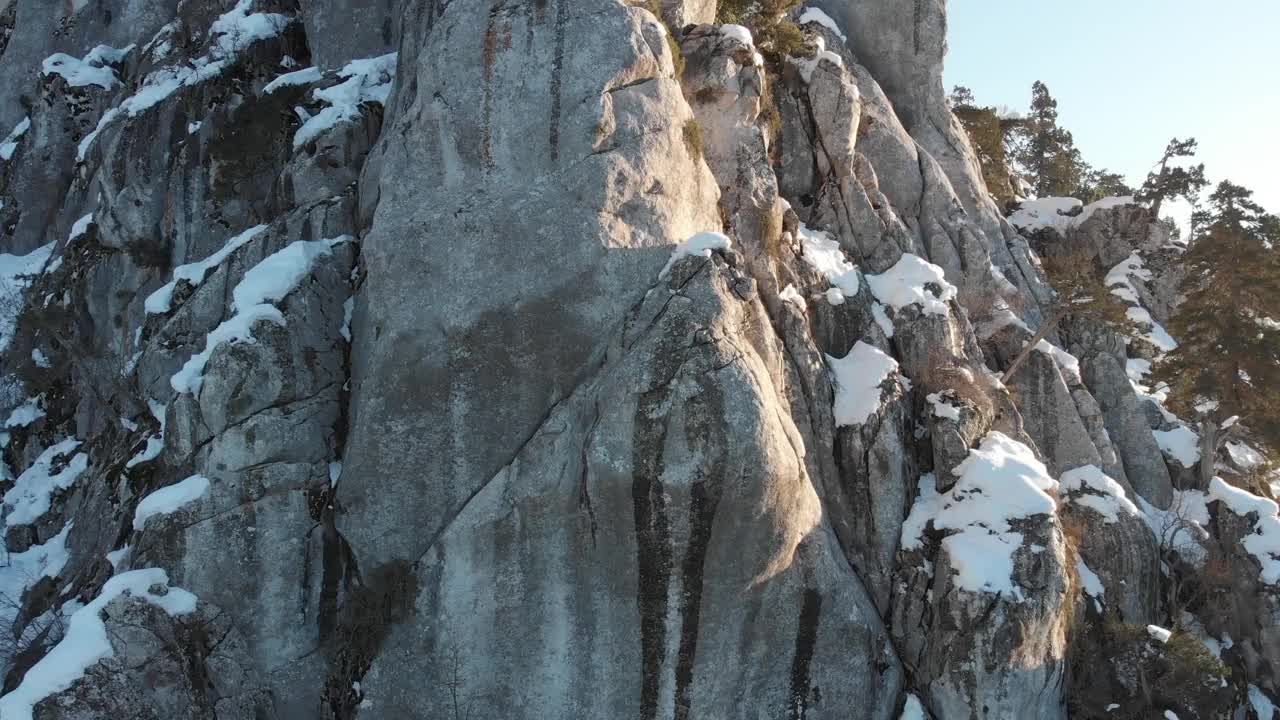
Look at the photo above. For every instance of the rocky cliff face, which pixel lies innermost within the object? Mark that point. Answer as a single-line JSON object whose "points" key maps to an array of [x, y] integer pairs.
{"points": [[534, 359]]}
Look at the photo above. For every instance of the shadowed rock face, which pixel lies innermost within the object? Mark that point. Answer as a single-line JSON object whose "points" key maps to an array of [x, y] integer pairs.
{"points": [[513, 231], [472, 442]]}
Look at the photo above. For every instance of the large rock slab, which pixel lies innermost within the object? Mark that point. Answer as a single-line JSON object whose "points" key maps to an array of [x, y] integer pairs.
{"points": [[513, 229]]}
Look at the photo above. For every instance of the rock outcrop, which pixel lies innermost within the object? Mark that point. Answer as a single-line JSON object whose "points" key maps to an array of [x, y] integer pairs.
{"points": [[572, 359]]}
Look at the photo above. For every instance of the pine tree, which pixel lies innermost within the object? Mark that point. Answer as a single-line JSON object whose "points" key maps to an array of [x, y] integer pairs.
{"points": [[1079, 289], [989, 134], [1165, 182], [1102, 183], [1227, 363], [1046, 152]]}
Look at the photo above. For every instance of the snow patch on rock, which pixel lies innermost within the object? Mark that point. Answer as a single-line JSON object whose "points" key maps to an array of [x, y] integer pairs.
{"points": [[859, 377], [170, 499], [699, 245], [906, 283], [86, 641], [366, 80]]}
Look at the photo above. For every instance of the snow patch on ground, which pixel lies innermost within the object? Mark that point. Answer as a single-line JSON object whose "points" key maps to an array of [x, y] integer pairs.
{"points": [[859, 377], [367, 80], [86, 641], [170, 499], [699, 245], [905, 284], [1160, 634]]}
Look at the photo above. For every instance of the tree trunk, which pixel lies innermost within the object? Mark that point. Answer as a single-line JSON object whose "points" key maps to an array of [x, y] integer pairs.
{"points": [[1208, 452], [1158, 199], [1044, 330]]}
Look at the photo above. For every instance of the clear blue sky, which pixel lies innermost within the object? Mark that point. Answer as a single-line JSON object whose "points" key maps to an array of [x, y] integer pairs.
{"points": [[1131, 74]]}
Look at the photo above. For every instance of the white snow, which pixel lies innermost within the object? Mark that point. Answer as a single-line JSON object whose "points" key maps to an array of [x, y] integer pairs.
{"points": [[230, 34], [904, 284], [161, 300], [823, 254], [298, 77], [80, 227], [912, 709], [791, 295], [1120, 280], [1170, 715], [30, 496], [1262, 705], [367, 80], [1181, 444], [699, 245], [1060, 213], [25, 568], [928, 503], [1001, 480], [40, 359], [86, 641], [942, 408], [806, 66], [1090, 583], [882, 319], [1244, 455], [152, 450], [1159, 633], [10, 143], [26, 413], [1089, 487], [116, 557], [170, 499], [815, 15], [739, 33], [94, 69], [16, 275], [1181, 527], [1264, 542], [348, 309], [1069, 364], [335, 472], [267, 282], [858, 378], [22, 570]]}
